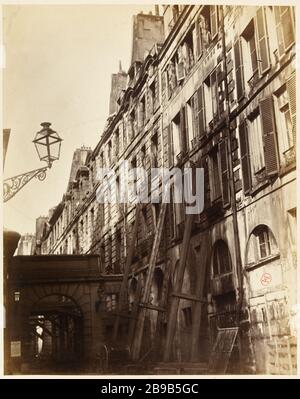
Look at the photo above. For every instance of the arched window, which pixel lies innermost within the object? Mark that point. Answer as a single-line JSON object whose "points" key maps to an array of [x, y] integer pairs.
{"points": [[261, 245], [221, 259]]}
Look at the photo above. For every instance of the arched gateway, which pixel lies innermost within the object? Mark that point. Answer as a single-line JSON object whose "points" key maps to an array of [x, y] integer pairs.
{"points": [[52, 323]]}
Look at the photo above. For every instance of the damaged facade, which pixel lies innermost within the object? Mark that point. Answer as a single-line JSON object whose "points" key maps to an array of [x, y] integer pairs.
{"points": [[212, 86]]}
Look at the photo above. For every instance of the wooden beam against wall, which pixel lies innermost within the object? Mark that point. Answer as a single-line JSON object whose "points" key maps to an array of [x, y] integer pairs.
{"points": [[139, 329], [172, 319], [124, 284]]}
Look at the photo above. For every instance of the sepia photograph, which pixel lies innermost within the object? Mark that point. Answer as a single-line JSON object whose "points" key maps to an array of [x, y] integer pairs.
{"points": [[149, 190]]}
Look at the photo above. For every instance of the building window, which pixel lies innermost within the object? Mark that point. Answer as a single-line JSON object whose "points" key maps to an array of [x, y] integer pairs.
{"points": [[256, 143], [92, 215], [118, 249], [131, 125], [249, 51], [211, 97], [116, 143], [108, 267], [190, 121], [109, 152], [187, 316], [285, 28], [198, 105], [81, 227], [221, 259], [142, 112], [111, 302], [209, 26], [284, 120], [154, 151], [133, 180], [17, 296], [143, 157], [175, 126], [186, 58], [154, 92], [263, 242], [261, 245], [214, 174]]}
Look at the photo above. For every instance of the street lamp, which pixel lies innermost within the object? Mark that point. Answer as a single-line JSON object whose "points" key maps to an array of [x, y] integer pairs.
{"points": [[47, 143]]}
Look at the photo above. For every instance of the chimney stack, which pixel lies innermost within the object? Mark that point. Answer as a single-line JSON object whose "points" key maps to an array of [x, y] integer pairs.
{"points": [[156, 10]]}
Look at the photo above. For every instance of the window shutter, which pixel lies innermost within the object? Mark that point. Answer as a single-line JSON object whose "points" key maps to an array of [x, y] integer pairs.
{"points": [[171, 146], [148, 103], [239, 69], [214, 20], [269, 136], [287, 23], [214, 92], [245, 157], [163, 86], [201, 111], [183, 131], [180, 71], [195, 113], [156, 98], [205, 166], [198, 39], [224, 173], [262, 40], [291, 89], [279, 31]]}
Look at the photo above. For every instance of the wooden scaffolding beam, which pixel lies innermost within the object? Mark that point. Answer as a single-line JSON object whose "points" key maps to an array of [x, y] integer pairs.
{"points": [[124, 284], [139, 329], [172, 318]]}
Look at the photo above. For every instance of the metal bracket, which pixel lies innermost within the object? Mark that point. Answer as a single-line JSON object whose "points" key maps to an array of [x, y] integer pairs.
{"points": [[14, 184]]}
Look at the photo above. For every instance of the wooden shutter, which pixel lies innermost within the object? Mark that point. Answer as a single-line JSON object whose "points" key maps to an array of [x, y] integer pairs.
{"points": [[156, 96], [287, 23], [195, 114], [279, 31], [198, 31], [201, 111], [205, 166], [183, 130], [262, 40], [214, 93], [269, 136], [239, 69], [171, 146], [224, 173], [291, 89], [245, 157], [213, 21], [164, 86]]}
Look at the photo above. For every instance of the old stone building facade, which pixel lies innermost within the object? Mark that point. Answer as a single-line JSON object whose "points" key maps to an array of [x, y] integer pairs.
{"points": [[212, 86]]}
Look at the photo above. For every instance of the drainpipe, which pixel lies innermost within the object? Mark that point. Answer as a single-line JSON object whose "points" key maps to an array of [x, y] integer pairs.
{"points": [[231, 177]]}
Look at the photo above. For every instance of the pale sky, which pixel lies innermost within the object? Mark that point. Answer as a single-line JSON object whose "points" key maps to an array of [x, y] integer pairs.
{"points": [[59, 61]]}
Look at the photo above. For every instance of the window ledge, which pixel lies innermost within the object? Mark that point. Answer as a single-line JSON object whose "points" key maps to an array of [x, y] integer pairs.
{"points": [[260, 186], [262, 262]]}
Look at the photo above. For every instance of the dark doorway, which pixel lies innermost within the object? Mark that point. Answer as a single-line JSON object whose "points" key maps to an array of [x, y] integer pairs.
{"points": [[56, 334]]}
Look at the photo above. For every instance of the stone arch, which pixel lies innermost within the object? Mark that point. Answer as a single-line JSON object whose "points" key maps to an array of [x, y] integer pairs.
{"points": [[74, 291]]}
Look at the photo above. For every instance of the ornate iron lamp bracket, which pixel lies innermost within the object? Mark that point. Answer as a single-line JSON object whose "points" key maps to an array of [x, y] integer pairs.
{"points": [[14, 184]]}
